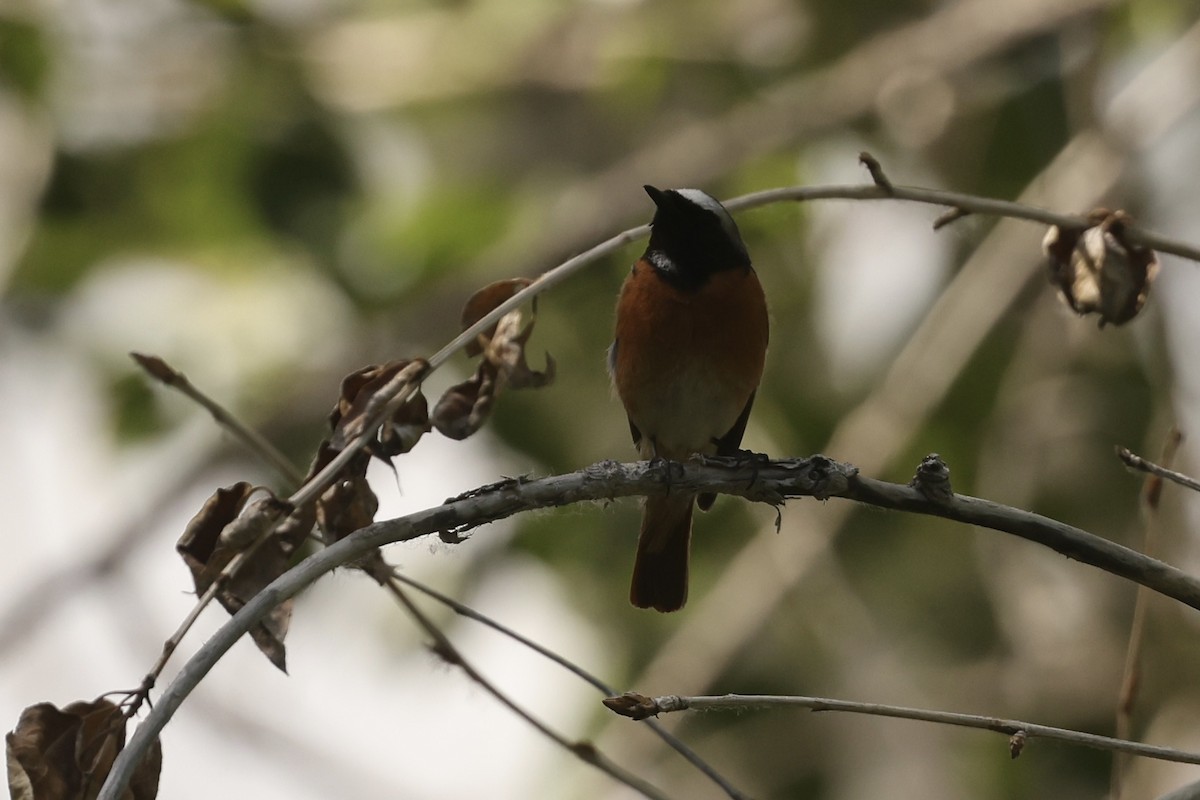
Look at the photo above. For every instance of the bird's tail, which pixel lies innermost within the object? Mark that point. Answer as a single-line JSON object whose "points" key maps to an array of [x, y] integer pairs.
{"points": [[660, 571]]}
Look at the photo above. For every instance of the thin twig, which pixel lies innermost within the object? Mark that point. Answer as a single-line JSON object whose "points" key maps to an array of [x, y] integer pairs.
{"points": [[771, 482], [965, 203], [1134, 461], [1132, 673], [639, 704], [585, 751], [160, 370], [669, 738]]}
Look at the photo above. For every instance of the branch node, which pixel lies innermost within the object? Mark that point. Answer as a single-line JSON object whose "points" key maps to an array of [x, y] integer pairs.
{"points": [[672, 702], [826, 477], [586, 751]]}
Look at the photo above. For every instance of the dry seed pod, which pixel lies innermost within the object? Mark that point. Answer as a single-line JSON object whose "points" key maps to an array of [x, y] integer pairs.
{"points": [[1098, 270]]}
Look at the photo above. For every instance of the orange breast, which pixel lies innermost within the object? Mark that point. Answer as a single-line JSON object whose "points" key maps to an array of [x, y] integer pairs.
{"points": [[687, 362]]}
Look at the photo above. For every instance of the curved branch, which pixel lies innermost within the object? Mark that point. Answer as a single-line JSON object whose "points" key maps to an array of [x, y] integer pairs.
{"points": [[769, 482]]}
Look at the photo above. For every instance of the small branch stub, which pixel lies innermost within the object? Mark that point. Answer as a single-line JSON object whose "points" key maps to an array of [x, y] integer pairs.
{"points": [[933, 479], [948, 216]]}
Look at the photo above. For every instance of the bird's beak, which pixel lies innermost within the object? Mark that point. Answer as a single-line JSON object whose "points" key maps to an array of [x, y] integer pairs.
{"points": [[657, 195]]}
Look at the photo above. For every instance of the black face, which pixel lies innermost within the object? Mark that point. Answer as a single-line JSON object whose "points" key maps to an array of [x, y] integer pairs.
{"points": [[692, 237]]}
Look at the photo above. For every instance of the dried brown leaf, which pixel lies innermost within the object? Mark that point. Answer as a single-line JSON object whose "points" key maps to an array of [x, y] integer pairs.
{"points": [[101, 737], [270, 560], [1097, 270], [464, 407], [198, 546], [349, 504], [507, 353], [41, 753], [143, 785], [218, 534], [250, 526], [482, 303], [403, 429], [67, 754]]}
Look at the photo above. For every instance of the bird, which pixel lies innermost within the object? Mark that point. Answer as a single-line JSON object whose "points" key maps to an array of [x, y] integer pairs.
{"points": [[689, 345]]}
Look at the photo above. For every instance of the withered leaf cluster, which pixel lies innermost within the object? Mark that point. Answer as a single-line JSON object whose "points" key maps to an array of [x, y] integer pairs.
{"points": [[66, 754], [1098, 270], [225, 528], [59, 754], [465, 407], [349, 504]]}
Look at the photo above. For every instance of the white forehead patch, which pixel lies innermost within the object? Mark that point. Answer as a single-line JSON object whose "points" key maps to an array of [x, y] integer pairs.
{"points": [[709, 203]]}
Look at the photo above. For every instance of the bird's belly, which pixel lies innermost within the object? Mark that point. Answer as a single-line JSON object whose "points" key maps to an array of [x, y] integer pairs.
{"points": [[687, 409]]}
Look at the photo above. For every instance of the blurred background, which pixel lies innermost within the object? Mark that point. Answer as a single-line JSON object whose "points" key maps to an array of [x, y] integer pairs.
{"points": [[273, 193]]}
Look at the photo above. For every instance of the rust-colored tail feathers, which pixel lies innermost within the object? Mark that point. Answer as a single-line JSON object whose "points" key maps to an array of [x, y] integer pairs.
{"points": [[660, 571]]}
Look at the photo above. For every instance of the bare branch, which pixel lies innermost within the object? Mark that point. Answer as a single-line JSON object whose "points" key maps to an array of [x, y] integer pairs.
{"points": [[816, 476], [635, 705]]}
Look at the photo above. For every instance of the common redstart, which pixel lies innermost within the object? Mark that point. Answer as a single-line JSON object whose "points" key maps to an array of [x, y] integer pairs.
{"points": [[686, 359]]}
